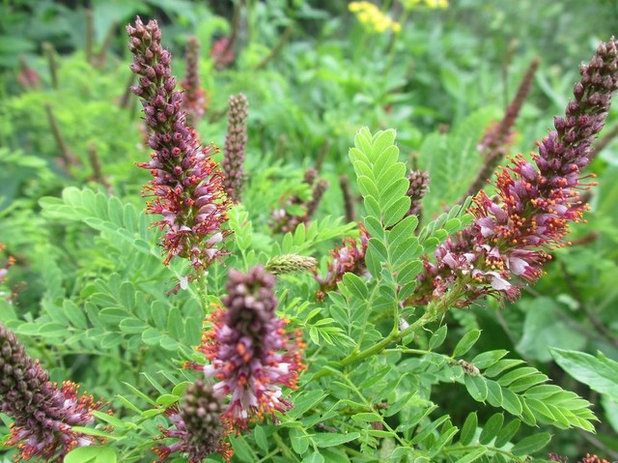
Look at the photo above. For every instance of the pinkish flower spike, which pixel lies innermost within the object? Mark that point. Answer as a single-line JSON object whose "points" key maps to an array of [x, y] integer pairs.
{"points": [[187, 184], [251, 354], [197, 426], [419, 184], [534, 203], [43, 412], [235, 144]]}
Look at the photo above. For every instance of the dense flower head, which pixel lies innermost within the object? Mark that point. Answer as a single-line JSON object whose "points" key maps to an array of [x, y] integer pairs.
{"points": [[193, 96], [187, 186], [372, 19], [251, 353], [197, 430], [555, 457], [419, 183], [349, 257], [43, 412], [235, 145], [534, 203]]}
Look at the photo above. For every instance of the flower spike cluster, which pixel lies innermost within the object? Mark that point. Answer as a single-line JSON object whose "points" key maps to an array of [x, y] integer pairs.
{"points": [[197, 426], [535, 201], [43, 412], [251, 354], [235, 145], [194, 100], [187, 185]]}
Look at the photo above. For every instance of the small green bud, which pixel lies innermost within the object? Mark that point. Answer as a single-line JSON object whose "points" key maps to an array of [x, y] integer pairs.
{"points": [[289, 263]]}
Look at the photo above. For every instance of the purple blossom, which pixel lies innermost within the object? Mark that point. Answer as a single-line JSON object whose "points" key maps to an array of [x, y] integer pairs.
{"points": [[419, 183], [235, 145], [187, 185], [534, 201], [251, 354], [43, 412], [197, 430]]}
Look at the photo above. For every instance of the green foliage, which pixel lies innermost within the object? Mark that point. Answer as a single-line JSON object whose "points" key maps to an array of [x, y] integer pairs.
{"points": [[387, 381]]}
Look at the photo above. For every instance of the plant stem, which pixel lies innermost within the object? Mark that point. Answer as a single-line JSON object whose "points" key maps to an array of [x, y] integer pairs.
{"points": [[89, 40], [66, 154], [50, 53], [285, 450], [285, 37], [433, 311]]}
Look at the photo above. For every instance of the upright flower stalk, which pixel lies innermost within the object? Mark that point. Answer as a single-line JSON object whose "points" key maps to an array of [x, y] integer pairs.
{"points": [[497, 139], [250, 352], [419, 184], [43, 412], [534, 203], [187, 185], [197, 431], [235, 145], [193, 97]]}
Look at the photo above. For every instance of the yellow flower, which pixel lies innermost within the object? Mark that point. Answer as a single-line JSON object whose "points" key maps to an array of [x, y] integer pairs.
{"points": [[374, 20], [433, 4], [441, 4]]}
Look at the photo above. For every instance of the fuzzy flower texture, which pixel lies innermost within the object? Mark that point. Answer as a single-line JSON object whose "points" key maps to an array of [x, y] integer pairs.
{"points": [[235, 145], [535, 201], [43, 412], [187, 185], [251, 354], [197, 430]]}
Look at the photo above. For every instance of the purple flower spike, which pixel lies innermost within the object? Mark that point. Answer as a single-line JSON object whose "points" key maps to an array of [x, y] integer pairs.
{"points": [[43, 412], [419, 183], [534, 202], [235, 144], [252, 355], [187, 185], [197, 426]]}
